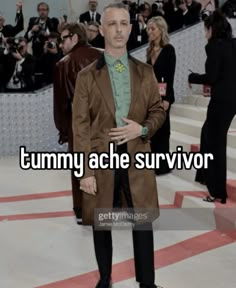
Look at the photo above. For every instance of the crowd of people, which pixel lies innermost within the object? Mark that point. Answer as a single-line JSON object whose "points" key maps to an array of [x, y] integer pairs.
{"points": [[27, 63]]}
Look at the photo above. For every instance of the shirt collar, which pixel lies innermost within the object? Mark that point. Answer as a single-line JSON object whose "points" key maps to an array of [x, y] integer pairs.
{"points": [[111, 61]]}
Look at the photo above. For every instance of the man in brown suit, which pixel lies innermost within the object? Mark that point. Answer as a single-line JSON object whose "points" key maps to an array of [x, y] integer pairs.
{"points": [[117, 100], [78, 54]]}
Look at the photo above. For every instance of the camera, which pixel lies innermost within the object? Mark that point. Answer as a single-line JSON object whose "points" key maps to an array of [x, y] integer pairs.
{"points": [[41, 26], [205, 14], [51, 45], [159, 4], [13, 45]]}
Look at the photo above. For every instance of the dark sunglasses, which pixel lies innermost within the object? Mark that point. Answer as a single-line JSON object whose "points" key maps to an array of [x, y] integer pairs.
{"points": [[63, 38]]}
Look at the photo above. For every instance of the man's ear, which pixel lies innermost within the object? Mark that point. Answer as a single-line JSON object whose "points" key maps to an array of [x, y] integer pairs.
{"points": [[75, 38], [101, 30]]}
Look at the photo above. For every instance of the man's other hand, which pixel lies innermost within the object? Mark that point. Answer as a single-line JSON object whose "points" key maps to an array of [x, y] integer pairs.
{"points": [[89, 185]]}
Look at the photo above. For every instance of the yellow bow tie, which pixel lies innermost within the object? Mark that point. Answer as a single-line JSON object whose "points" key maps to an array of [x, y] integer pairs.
{"points": [[120, 67]]}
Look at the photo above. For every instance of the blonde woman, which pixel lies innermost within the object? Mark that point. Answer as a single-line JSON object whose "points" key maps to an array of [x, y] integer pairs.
{"points": [[161, 55]]}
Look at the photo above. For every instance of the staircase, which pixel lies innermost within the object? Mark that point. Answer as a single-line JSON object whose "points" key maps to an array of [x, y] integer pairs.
{"points": [[186, 122], [178, 189]]}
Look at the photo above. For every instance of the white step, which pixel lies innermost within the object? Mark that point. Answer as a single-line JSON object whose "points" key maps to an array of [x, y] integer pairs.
{"points": [[193, 112], [193, 128], [189, 175], [186, 126], [189, 111], [167, 187], [197, 100], [179, 139]]}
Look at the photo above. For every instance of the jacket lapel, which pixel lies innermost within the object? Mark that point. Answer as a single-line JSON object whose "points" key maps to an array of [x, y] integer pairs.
{"points": [[104, 84]]}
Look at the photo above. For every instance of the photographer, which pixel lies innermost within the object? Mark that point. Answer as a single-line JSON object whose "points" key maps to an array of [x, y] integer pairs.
{"points": [[229, 8], [157, 9], [190, 11], [18, 66], [51, 55], [39, 28], [9, 30], [140, 24], [94, 37]]}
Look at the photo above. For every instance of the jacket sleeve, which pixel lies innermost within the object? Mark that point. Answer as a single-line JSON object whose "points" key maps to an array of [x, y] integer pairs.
{"points": [[82, 18], [213, 62], [196, 78], [61, 104], [14, 30], [81, 121], [212, 66], [156, 114], [28, 69], [30, 26], [169, 79]]}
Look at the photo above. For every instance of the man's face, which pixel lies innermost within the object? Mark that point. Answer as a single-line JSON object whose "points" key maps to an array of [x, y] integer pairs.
{"points": [[92, 32], [115, 28], [67, 42], [93, 5], [23, 47], [43, 11], [147, 11], [1, 21]]}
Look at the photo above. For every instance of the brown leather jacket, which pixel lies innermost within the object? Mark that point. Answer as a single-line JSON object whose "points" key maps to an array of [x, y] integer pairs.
{"points": [[64, 85]]}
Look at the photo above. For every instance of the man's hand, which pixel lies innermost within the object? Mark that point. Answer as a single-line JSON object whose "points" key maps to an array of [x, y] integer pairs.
{"points": [[141, 19], [53, 50], [166, 105], [183, 7], [45, 33], [89, 185], [19, 5], [35, 28], [17, 55], [126, 133]]}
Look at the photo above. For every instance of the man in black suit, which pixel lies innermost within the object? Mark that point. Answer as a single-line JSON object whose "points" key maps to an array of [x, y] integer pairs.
{"points": [[94, 37], [92, 15], [18, 66], [9, 30], [190, 10], [40, 27]]}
